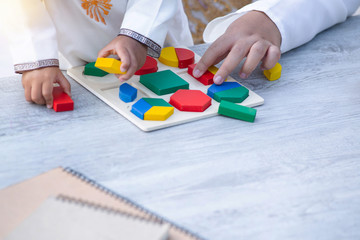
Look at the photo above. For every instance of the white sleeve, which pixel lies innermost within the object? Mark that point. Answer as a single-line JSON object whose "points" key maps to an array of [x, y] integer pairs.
{"points": [[297, 20], [31, 33], [150, 18]]}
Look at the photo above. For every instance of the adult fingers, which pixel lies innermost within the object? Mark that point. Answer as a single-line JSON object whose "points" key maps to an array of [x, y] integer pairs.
{"points": [[271, 58], [232, 60], [255, 55], [211, 56]]}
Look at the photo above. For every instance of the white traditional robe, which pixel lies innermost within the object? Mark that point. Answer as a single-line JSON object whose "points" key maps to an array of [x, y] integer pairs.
{"points": [[78, 29], [297, 20]]}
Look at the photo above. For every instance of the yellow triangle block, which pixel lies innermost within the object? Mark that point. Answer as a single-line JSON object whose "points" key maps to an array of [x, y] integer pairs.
{"points": [[109, 65], [273, 73], [158, 113], [168, 57]]}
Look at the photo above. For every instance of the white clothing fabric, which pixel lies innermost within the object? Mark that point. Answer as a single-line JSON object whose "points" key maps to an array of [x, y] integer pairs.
{"points": [[37, 29], [297, 20]]}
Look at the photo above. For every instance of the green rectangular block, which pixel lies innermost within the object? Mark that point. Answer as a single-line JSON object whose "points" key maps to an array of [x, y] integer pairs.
{"points": [[163, 82], [91, 70], [235, 95], [237, 111]]}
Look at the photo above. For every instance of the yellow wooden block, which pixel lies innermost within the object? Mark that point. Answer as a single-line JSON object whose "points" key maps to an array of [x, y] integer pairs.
{"points": [[273, 73], [213, 69], [109, 65], [168, 57], [158, 113]]}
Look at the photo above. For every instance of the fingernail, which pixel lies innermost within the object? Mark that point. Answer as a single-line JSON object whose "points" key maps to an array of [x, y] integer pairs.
{"points": [[243, 75], [196, 73], [122, 69], [218, 79], [48, 106]]}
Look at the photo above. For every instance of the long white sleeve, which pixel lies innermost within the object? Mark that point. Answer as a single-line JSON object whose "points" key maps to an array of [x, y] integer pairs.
{"points": [[297, 20], [30, 31], [150, 18]]}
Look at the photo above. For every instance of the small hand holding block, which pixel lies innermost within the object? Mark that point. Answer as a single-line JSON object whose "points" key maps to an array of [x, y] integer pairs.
{"points": [[62, 102], [109, 65]]}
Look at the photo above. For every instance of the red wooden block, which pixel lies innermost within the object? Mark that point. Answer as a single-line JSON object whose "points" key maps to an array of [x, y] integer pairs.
{"points": [[149, 66], [190, 100], [206, 78], [185, 57], [62, 101]]}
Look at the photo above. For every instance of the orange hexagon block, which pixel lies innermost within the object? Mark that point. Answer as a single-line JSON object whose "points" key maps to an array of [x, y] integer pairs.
{"points": [[190, 100]]}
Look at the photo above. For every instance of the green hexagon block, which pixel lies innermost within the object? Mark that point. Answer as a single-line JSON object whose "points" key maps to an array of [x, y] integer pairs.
{"points": [[235, 95], [163, 82]]}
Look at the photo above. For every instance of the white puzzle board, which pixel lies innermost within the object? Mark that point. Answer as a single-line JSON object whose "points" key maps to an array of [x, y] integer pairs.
{"points": [[107, 89]]}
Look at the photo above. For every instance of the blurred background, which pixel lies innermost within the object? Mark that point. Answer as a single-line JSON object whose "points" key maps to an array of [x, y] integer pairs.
{"points": [[199, 12]]}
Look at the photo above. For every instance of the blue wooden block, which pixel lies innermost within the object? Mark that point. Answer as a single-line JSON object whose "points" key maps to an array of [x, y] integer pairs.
{"points": [[218, 88], [127, 93], [140, 108]]}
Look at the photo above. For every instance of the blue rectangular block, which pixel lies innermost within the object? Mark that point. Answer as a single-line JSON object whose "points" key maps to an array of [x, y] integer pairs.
{"points": [[127, 93], [140, 108], [224, 86]]}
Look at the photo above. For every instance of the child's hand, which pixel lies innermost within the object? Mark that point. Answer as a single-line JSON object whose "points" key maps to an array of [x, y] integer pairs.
{"points": [[132, 54], [38, 85], [253, 36]]}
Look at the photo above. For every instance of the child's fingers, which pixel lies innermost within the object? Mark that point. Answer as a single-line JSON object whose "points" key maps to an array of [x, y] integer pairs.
{"points": [[233, 59], [47, 89], [131, 70], [255, 55], [36, 93], [27, 92], [211, 57], [64, 83], [103, 53], [125, 58], [271, 58]]}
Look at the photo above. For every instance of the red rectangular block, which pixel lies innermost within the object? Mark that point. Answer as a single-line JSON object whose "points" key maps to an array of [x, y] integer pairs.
{"points": [[62, 102], [206, 78]]}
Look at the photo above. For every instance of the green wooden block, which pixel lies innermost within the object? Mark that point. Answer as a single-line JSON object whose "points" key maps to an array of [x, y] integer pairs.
{"points": [[237, 111], [157, 102], [235, 95], [91, 70], [163, 82]]}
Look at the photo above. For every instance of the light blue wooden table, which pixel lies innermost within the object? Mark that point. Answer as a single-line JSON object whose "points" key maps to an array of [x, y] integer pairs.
{"points": [[293, 174]]}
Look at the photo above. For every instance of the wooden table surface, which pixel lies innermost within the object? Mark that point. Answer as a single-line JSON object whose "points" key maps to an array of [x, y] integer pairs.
{"points": [[293, 174]]}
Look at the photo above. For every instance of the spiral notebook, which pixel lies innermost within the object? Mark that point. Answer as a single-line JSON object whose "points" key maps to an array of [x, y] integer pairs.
{"points": [[18, 201], [65, 218]]}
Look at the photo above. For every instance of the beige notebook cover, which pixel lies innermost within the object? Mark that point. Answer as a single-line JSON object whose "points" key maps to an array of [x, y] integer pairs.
{"points": [[18, 201], [63, 218]]}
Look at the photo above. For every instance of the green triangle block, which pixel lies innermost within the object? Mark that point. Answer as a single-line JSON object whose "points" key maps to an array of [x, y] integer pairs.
{"points": [[237, 111], [163, 82], [157, 102], [236, 95], [91, 70]]}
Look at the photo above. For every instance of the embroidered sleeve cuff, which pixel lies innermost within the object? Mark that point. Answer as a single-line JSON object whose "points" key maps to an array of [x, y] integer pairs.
{"points": [[154, 49], [19, 68]]}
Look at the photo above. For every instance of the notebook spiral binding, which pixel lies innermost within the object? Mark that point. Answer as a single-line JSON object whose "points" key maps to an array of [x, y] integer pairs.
{"points": [[99, 207], [119, 197]]}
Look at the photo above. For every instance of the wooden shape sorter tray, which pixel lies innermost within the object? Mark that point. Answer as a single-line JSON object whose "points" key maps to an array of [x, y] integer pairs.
{"points": [[107, 89]]}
